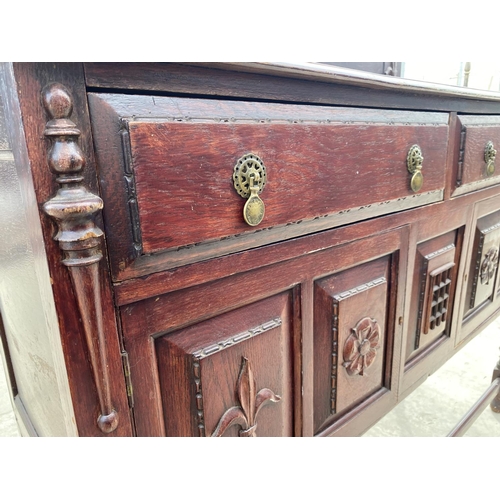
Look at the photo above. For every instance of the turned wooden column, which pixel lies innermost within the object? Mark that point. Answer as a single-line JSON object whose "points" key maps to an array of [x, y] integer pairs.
{"points": [[73, 207]]}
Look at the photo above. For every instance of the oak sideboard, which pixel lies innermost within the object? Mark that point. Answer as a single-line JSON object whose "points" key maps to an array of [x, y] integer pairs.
{"points": [[238, 249]]}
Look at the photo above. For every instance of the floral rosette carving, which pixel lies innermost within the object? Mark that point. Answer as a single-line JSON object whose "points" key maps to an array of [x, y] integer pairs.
{"points": [[489, 265], [360, 348]]}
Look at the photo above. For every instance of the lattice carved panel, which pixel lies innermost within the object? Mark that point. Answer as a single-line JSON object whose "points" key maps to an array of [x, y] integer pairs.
{"points": [[437, 279]]}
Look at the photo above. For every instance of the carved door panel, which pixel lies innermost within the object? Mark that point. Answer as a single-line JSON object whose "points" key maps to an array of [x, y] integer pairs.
{"points": [[356, 352], [484, 266], [433, 291], [251, 353], [481, 297], [216, 359], [230, 375]]}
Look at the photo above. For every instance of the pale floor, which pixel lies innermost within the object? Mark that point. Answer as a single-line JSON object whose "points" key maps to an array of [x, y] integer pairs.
{"points": [[431, 410]]}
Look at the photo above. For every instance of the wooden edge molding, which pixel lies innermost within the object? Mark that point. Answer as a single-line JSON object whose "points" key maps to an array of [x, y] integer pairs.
{"points": [[73, 207], [330, 73]]}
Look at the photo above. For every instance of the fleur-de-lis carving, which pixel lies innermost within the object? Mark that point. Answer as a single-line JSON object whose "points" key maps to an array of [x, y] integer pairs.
{"points": [[489, 265], [245, 415], [360, 347]]}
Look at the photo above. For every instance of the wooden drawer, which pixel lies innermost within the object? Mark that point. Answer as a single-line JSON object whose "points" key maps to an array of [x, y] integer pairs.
{"points": [[476, 133], [166, 169]]}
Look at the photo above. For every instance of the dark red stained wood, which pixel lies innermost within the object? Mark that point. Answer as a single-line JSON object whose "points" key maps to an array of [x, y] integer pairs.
{"points": [[434, 232], [419, 298], [268, 355], [487, 229], [31, 78], [452, 156], [338, 309], [427, 222], [478, 131], [148, 319], [183, 171], [144, 321]]}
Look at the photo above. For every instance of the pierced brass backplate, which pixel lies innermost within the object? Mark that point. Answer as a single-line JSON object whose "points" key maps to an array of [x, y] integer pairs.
{"points": [[249, 178], [414, 162], [489, 157]]}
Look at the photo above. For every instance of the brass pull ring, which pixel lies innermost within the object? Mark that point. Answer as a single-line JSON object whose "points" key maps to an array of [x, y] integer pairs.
{"points": [[414, 162], [249, 179], [489, 157]]}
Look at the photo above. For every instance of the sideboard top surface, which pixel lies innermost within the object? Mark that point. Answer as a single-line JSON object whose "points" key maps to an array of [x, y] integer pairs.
{"points": [[289, 82]]}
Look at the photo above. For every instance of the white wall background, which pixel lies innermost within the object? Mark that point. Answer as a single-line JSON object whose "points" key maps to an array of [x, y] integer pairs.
{"points": [[483, 75]]}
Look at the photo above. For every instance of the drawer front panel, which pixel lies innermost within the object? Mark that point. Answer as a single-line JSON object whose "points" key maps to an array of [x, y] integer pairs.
{"points": [[476, 168], [324, 167], [183, 173]]}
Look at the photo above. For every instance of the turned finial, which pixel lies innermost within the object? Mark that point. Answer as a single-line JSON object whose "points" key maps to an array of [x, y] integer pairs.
{"points": [[57, 101]]}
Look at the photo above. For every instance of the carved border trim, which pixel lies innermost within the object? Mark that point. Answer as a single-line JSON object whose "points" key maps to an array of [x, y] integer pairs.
{"points": [[378, 208], [335, 360], [477, 267], [439, 252], [286, 121], [460, 171], [491, 228], [475, 185], [212, 349], [131, 190], [200, 415], [359, 289], [236, 339], [423, 283]]}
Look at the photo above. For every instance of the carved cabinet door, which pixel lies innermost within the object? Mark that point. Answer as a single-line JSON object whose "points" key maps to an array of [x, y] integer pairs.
{"points": [[481, 297], [358, 317], [216, 359], [306, 341], [230, 375]]}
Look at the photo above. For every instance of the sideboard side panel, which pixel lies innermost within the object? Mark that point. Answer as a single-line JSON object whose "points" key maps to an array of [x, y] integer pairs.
{"points": [[32, 343], [31, 78]]}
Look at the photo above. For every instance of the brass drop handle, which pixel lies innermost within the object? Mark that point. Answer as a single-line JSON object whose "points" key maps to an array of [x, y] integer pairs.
{"points": [[254, 209], [489, 157], [249, 179], [414, 162]]}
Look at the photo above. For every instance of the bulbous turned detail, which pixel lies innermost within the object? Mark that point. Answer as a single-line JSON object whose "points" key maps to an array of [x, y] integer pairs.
{"points": [[74, 208], [57, 100], [65, 157], [108, 423]]}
